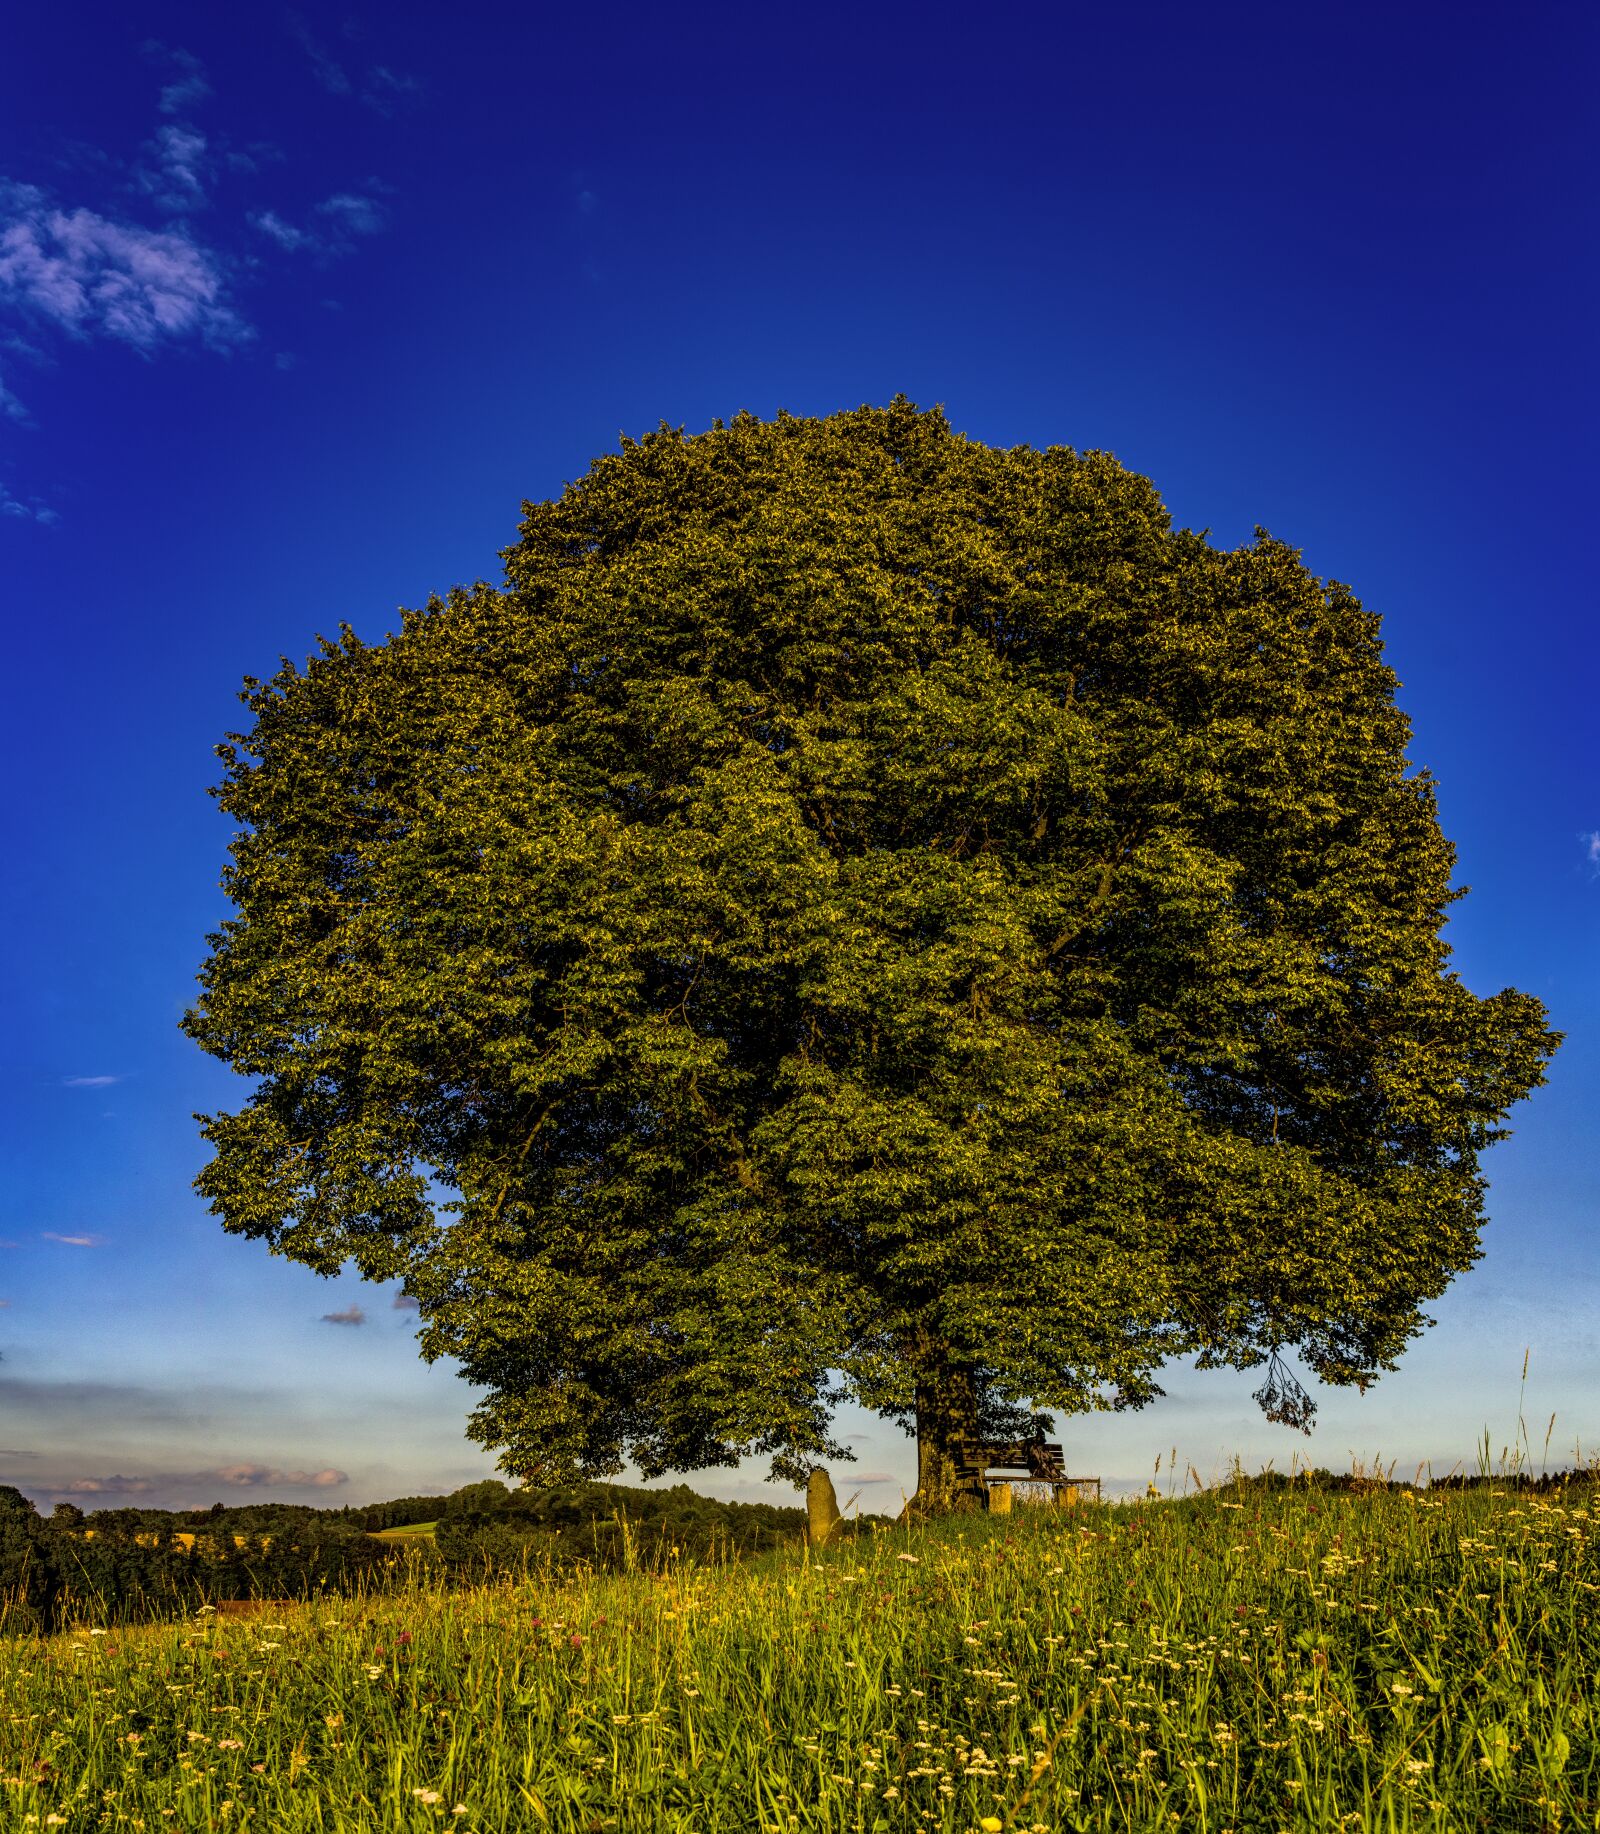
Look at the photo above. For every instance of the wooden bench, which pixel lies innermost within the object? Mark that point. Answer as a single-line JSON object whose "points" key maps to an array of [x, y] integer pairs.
{"points": [[995, 1466]]}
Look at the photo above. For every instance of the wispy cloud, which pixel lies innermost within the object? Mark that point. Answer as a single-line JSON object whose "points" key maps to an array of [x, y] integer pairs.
{"points": [[250, 1476], [90, 276], [130, 268], [188, 87], [386, 90], [352, 214], [12, 407], [333, 227], [89, 1082], [351, 1315], [75, 1241], [403, 1302], [277, 230], [1591, 847], [176, 173], [232, 1477], [377, 86], [30, 509], [325, 67], [59, 1411]]}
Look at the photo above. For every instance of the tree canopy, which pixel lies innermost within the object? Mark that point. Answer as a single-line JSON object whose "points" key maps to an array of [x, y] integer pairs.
{"points": [[857, 913]]}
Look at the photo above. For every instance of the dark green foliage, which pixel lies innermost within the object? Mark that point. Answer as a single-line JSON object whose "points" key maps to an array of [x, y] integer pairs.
{"points": [[857, 914], [610, 1526], [490, 1497], [401, 1512], [132, 1566], [129, 1565], [29, 1580], [1545, 1483]]}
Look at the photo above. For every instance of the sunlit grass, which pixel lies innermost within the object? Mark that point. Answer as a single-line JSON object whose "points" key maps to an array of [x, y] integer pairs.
{"points": [[1234, 1661]]}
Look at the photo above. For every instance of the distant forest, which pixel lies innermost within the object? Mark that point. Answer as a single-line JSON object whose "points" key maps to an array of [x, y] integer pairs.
{"points": [[132, 1564]]}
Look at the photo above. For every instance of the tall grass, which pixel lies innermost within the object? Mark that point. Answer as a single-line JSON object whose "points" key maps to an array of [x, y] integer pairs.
{"points": [[1240, 1660]]}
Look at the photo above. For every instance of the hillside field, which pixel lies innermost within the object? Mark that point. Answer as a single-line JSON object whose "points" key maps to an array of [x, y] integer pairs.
{"points": [[1246, 1660]]}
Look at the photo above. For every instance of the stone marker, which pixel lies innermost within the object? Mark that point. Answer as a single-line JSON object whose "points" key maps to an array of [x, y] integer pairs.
{"points": [[823, 1520]]}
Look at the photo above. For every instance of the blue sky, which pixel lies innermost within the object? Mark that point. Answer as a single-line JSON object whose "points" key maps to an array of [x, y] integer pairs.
{"points": [[296, 309]]}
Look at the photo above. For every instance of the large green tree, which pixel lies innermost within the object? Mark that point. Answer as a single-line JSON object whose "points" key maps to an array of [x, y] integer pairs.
{"points": [[856, 914]]}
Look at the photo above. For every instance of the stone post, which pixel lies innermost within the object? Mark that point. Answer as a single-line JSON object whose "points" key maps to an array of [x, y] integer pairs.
{"points": [[823, 1520]]}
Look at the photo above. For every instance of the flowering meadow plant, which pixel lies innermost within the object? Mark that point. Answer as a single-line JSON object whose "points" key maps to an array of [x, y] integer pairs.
{"points": [[1245, 1660]]}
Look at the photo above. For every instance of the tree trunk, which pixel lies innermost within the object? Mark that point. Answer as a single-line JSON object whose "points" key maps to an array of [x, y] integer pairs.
{"points": [[947, 1433]]}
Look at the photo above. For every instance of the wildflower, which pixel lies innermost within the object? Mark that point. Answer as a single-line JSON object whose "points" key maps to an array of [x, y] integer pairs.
{"points": [[404, 1637], [230, 1744], [429, 1796], [911, 1560], [991, 1824]]}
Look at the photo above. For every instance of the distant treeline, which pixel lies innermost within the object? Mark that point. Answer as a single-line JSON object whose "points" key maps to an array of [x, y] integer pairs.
{"points": [[122, 1565], [134, 1565], [1356, 1482], [488, 1528]]}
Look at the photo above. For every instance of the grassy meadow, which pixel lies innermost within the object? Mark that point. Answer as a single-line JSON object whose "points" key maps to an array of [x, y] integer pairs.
{"points": [[1243, 1660]]}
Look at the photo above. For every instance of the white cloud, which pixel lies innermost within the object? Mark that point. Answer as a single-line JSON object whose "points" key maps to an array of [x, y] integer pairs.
{"points": [[382, 89], [91, 276], [11, 407], [1591, 847], [329, 73], [352, 213], [76, 1241], [245, 1476], [177, 176], [34, 509], [188, 88], [284, 234], [116, 1485], [236, 1477], [89, 1082], [403, 1302], [333, 227], [385, 90], [351, 1315]]}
